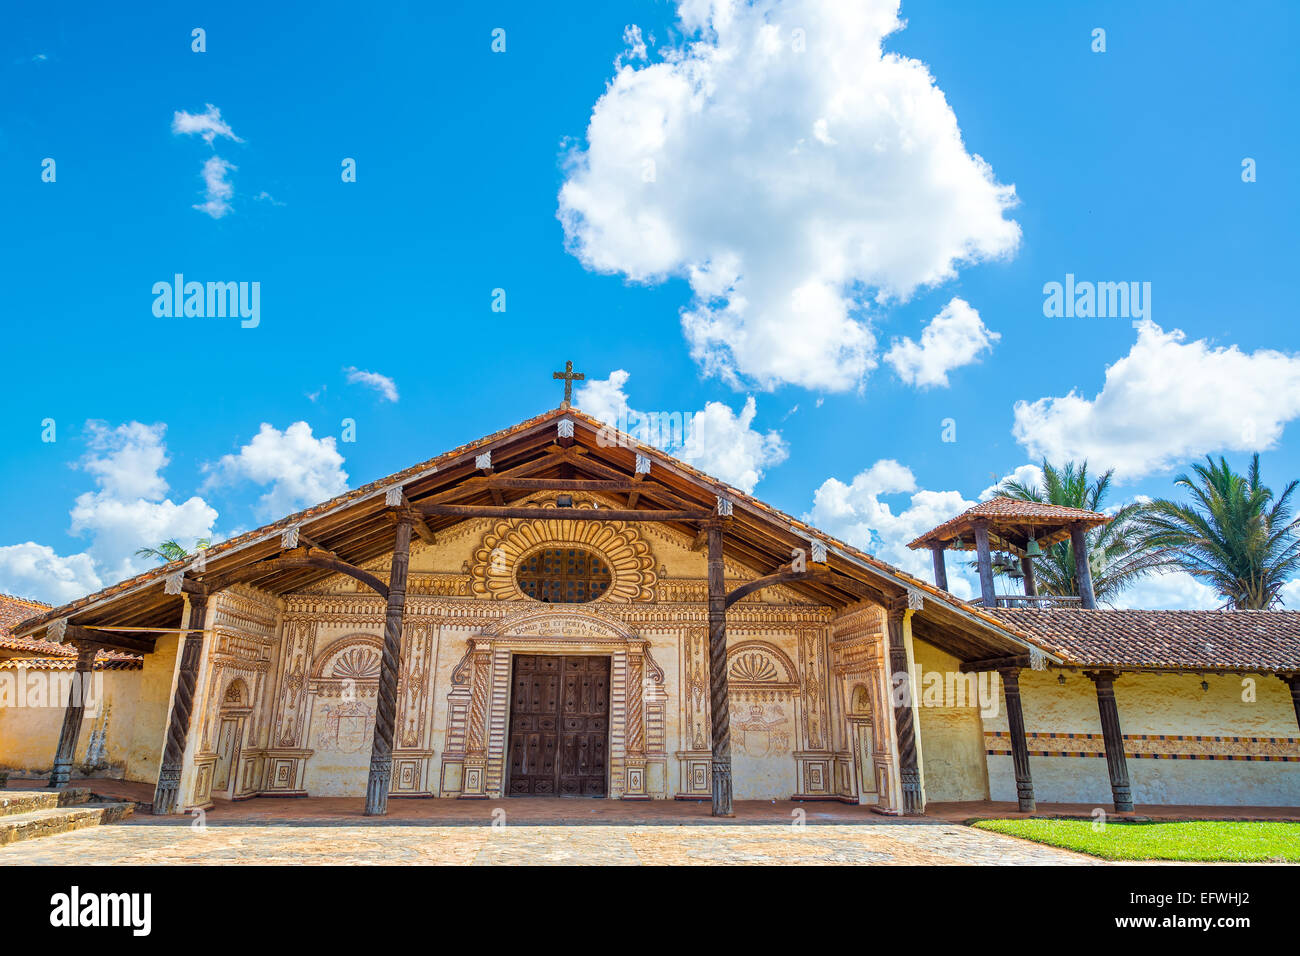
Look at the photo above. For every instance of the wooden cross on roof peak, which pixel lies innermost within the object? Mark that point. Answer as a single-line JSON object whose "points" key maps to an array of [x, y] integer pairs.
{"points": [[569, 376]]}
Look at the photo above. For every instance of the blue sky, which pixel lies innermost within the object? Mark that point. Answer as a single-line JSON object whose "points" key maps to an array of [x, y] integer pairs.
{"points": [[803, 168]]}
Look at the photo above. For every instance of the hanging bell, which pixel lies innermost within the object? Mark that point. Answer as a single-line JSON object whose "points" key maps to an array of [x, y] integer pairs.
{"points": [[1033, 551]]}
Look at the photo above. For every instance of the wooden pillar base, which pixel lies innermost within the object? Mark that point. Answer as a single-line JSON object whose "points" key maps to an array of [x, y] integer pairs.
{"points": [[381, 777], [167, 795], [722, 804], [61, 774]]}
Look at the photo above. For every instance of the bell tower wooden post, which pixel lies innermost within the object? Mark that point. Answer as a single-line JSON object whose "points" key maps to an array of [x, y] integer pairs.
{"points": [[719, 700], [381, 750], [909, 769], [984, 560], [940, 567], [1019, 748], [1116, 762], [77, 693], [1082, 569], [167, 793]]}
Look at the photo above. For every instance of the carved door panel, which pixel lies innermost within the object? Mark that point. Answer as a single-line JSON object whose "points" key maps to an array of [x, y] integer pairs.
{"points": [[227, 752], [584, 726], [866, 763], [559, 726], [534, 724]]}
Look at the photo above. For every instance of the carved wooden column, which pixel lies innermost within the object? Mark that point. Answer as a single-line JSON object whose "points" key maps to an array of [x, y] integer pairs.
{"points": [[77, 694], [1019, 748], [904, 717], [634, 786], [1116, 762], [474, 775], [1082, 570], [1027, 569], [719, 700], [984, 559], [167, 794], [1293, 681], [381, 750], [940, 567]]}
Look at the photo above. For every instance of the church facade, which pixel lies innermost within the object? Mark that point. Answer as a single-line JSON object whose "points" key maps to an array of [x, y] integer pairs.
{"points": [[555, 610]]}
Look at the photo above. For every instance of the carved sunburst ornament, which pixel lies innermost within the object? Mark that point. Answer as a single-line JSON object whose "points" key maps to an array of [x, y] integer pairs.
{"points": [[755, 668], [357, 663], [625, 552]]}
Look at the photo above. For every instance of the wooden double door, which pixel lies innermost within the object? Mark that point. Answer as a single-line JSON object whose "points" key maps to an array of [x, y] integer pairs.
{"points": [[559, 726]]}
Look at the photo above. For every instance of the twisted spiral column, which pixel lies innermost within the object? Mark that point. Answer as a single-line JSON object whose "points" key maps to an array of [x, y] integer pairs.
{"points": [[719, 699], [167, 792], [381, 750]]}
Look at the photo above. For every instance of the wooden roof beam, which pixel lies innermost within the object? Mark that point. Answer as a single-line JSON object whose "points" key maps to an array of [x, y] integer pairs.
{"points": [[578, 514]]}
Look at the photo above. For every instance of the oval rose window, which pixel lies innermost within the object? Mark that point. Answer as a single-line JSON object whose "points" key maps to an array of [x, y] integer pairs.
{"points": [[563, 576]]}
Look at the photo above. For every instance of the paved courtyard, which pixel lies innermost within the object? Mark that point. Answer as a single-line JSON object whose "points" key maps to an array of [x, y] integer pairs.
{"points": [[673, 845]]}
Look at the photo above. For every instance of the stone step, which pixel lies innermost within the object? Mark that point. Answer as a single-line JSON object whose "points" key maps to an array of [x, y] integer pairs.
{"points": [[25, 801], [51, 821]]}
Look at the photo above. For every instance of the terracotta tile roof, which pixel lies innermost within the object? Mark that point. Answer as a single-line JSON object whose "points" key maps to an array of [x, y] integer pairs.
{"points": [[1008, 512], [114, 662], [14, 610], [1176, 640]]}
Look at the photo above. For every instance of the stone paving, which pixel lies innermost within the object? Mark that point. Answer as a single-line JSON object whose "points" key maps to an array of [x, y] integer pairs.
{"points": [[674, 845]]}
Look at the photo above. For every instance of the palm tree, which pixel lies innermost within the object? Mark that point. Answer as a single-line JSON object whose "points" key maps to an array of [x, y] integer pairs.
{"points": [[171, 550], [1117, 555], [1235, 534]]}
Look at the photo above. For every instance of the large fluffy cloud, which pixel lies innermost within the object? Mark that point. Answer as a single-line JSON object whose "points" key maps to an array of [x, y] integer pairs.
{"points": [[795, 174], [1168, 400], [857, 513], [716, 439], [300, 468]]}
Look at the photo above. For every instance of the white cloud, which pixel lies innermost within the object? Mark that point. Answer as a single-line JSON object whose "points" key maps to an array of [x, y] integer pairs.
{"points": [[207, 124], [795, 188], [217, 188], [1291, 595], [955, 337], [302, 470], [36, 571], [127, 510], [857, 513], [1173, 590], [130, 510], [1165, 402], [717, 440], [1030, 476], [382, 384]]}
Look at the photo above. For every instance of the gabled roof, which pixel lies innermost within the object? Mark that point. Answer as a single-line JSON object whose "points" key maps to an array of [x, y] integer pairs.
{"points": [[1010, 522], [356, 527], [1159, 640]]}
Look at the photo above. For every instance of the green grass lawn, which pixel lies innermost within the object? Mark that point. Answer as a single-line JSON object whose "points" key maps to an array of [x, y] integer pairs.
{"points": [[1195, 840]]}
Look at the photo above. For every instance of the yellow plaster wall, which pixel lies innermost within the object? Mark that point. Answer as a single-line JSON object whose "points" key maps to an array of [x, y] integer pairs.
{"points": [[130, 708], [952, 737], [1168, 704]]}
